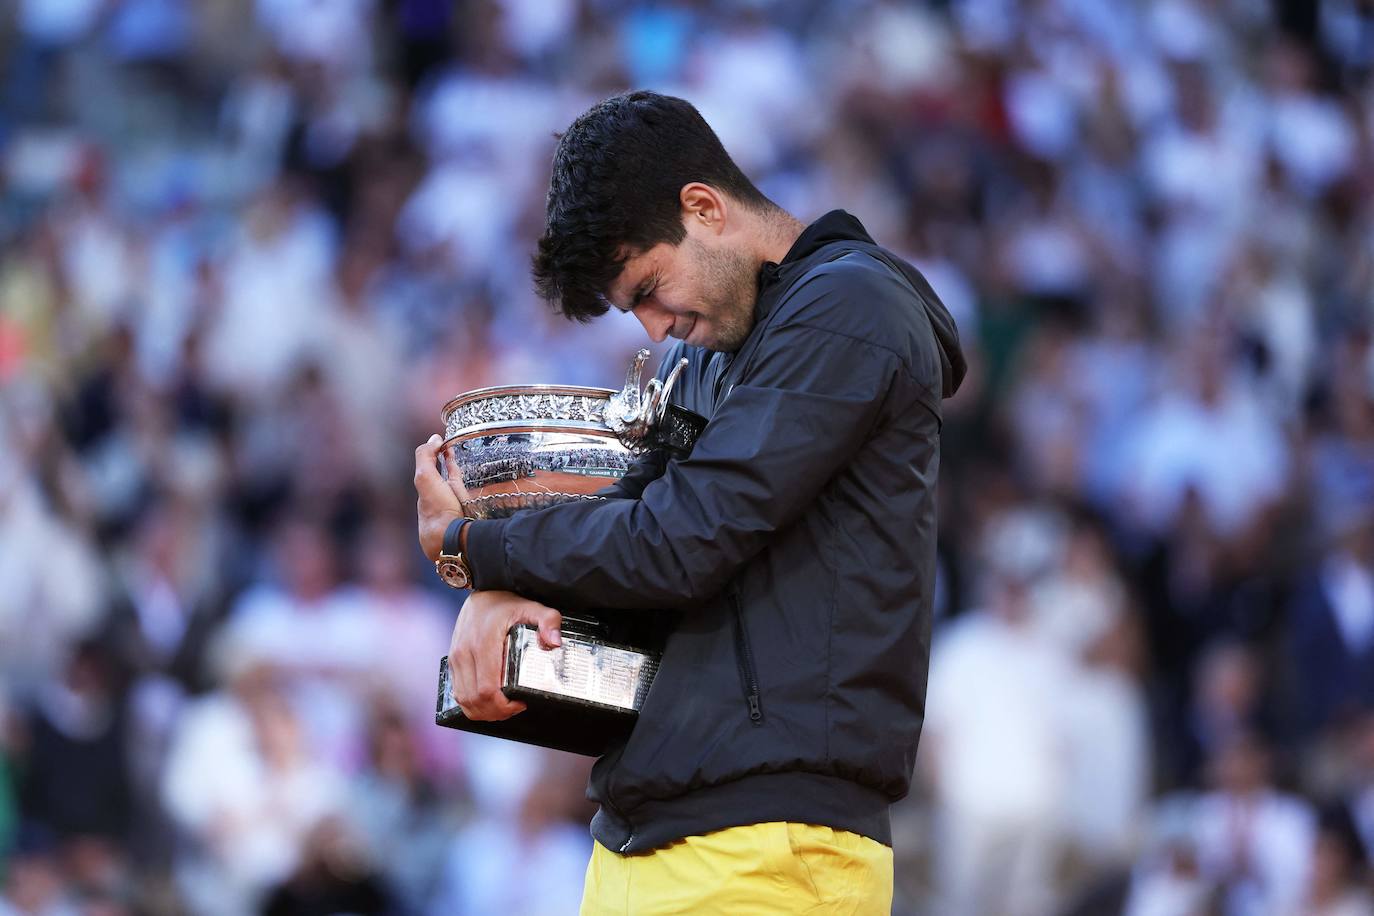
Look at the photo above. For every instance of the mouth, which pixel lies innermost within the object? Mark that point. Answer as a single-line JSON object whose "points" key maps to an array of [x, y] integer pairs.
{"points": [[684, 334]]}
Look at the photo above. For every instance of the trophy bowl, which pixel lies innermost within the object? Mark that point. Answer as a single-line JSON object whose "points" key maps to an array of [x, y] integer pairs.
{"points": [[523, 447], [530, 446]]}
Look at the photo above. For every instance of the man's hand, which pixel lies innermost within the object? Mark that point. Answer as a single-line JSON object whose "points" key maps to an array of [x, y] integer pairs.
{"points": [[441, 501], [478, 648]]}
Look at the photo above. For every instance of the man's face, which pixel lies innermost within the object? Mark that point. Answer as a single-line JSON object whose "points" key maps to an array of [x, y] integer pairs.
{"points": [[701, 291]]}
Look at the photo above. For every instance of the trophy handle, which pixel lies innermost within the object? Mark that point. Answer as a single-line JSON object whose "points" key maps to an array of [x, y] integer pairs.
{"points": [[623, 408], [631, 414], [668, 388]]}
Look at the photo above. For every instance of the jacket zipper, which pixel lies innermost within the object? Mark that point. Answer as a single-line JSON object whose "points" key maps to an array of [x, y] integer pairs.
{"points": [[748, 679]]}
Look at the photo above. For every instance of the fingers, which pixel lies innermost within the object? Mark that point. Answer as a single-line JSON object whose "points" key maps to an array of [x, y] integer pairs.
{"points": [[498, 711], [455, 476], [490, 702], [461, 677], [437, 504], [459, 680], [425, 454], [548, 621], [477, 655], [478, 692], [483, 700], [428, 483]]}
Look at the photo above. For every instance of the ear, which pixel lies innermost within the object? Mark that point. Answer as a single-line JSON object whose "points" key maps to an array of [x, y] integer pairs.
{"points": [[703, 207]]}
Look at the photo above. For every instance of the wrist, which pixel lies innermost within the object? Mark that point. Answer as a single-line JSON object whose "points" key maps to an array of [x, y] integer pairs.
{"points": [[455, 536], [452, 565]]}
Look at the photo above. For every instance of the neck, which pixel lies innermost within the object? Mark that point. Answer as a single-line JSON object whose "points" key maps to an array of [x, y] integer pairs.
{"points": [[776, 231]]}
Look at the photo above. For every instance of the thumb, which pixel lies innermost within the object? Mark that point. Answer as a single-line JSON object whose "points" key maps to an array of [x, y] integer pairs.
{"points": [[549, 623]]}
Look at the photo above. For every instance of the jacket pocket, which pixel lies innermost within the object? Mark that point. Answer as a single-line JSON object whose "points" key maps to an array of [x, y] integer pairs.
{"points": [[748, 676]]}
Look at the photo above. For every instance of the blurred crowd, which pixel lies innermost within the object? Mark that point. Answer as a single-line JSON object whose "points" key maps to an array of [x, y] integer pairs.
{"points": [[248, 249]]}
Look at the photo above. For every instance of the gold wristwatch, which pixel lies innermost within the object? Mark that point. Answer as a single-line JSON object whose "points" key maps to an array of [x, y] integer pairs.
{"points": [[452, 566]]}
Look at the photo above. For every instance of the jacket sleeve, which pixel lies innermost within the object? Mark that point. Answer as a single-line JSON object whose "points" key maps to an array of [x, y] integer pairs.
{"points": [[646, 469], [805, 405]]}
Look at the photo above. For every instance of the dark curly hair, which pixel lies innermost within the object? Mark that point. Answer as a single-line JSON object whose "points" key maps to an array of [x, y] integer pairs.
{"points": [[617, 174]]}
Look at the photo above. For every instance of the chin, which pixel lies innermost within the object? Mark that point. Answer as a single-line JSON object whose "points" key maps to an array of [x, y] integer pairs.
{"points": [[728, 343], [706, 342]]}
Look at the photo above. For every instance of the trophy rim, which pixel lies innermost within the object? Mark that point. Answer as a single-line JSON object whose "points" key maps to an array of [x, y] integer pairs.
{"points": [[492, 391], [514, 427]]}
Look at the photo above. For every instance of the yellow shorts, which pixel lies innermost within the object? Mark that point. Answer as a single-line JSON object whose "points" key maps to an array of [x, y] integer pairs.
{"points": [[741, 871]]}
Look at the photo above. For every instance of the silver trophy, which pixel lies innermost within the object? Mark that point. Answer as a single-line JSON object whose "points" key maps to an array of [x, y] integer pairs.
{"points": [[530, 446]]}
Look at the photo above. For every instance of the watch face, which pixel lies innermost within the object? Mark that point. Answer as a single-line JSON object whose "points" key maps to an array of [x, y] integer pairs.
{"points": [[452, 572]]}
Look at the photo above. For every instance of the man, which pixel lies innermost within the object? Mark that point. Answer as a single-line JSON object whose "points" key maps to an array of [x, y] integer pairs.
{"points": [[795, 547]]}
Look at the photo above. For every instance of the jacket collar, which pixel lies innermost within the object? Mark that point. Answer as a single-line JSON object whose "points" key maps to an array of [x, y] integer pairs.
{"points": [[835, 226]]}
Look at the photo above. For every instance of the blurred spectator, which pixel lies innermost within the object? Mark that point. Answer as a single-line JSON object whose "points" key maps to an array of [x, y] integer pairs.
{"points": [[1048, 414], [46, 30], [1253, 841], [409, 631], [1168, 880], [1341, 474], [332, 877], [46, 605], [76, 777], [1226, 702], [1331, 633], [996, 693], [400, 813], [1309, 133], [540, 830], [167, 598], [246, 788], [168, 585], [1198, 165], [1081, 602], [1109, 741], [361, 359], [33, 880], [1357, 791], [275, 273], [304, 625], [1207, 439], [1339, 885]]}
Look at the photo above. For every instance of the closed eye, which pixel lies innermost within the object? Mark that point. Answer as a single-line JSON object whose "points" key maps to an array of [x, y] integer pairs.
{"points": [[645, 288], [640, 294]]}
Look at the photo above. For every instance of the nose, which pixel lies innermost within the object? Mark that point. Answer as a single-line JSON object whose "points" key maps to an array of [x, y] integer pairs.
{"points": [[657, 321]]}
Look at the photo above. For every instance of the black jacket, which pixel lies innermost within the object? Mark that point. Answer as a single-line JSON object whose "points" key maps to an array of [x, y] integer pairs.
{"points": [[797, 546]]}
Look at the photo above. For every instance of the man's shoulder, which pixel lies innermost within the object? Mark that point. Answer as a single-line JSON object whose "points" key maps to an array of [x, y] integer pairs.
{"points": [[861, 293], [858, 289]]}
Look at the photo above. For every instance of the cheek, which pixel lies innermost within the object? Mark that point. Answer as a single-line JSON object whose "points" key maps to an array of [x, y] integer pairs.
{"points": [[708, 297], [675, 299]]}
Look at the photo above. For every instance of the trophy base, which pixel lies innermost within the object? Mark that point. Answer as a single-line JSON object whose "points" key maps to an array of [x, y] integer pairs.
{"points": [[582, 697]]}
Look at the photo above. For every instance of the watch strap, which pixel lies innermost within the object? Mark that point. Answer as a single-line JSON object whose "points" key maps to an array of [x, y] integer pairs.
{"points": [[453, 537]]}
